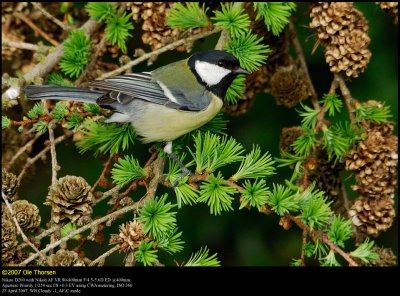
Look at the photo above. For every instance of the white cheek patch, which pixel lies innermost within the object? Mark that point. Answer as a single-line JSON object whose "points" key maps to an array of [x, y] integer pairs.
{"points": [[210, 73]]}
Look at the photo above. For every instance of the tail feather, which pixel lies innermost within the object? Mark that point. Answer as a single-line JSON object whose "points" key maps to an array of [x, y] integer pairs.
{"points": [[50, 92]]}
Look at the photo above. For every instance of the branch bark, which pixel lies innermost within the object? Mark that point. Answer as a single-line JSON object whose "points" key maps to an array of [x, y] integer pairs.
{"points": [[20, 45]]}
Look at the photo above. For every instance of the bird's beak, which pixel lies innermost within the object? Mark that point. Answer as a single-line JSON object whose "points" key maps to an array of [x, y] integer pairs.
{"points": [[239, 70]]}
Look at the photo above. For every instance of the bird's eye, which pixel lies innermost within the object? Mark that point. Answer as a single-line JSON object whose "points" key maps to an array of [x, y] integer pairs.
{"points": [[220, 63]]}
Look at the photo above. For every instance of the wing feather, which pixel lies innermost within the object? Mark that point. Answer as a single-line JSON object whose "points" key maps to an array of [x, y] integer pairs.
{"points": [[144, 87]]}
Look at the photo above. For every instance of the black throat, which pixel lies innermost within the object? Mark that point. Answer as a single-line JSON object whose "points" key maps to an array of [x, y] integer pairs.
{"points": [[218, 89], [221, 88]]}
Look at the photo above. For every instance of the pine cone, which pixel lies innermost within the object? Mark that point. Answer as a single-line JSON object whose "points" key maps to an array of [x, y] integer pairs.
{"points": [[156, 33], [391, 8], [65, 258], [27, 214], [375, 162], [9, 184], [8, 240], [373, 216], [350, 57], [288, 86], [288, 136], [129, 237], [5, 213], [386, 258], [330, 18], [70, 199], [327, 175], [344, 31]]}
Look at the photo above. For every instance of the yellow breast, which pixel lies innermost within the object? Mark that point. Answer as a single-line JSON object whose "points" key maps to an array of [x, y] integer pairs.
{"points": [[158, 123]]}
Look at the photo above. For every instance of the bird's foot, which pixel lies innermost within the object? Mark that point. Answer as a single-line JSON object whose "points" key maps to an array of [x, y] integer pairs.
{"points": [[185, 171]]}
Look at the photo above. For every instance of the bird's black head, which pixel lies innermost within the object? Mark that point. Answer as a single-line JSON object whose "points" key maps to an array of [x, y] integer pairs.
{"points": [[215, 69]]}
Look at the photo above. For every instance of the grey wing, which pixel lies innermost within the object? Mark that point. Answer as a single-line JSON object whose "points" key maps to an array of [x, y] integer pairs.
{"points": [[125, 88]]}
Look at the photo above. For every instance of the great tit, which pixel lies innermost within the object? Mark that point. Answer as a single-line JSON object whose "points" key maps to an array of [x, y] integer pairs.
{"points": [[163, 104]]}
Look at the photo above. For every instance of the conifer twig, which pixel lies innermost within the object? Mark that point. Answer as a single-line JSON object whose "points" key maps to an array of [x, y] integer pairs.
{"points": [[47, 14], [348, 99], [323, 237], [31, 161], [303, 64], [112, 192], [54, 163], [20, 151], [20, 45], [93, 59], [42, 235], [41, 69], [322, 110], [345, 198], [101, 258], [303, 244], [36, 29], [224, 37], [103, 173], [338, 250]]}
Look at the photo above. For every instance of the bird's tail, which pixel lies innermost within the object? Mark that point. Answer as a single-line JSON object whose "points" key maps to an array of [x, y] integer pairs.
{"points": [[50, 92]]}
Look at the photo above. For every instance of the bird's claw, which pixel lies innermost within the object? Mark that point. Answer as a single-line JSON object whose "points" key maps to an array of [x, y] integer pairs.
{"points": [[185, 172]]}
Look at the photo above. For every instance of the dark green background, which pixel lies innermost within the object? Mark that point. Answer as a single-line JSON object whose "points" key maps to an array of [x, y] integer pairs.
{"points": [[245, 237]]}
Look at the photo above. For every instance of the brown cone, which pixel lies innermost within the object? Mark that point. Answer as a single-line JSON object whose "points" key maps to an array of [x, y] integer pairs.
{"points": [[70, 199], [350, 57], [330, 18], [27, 214], [373, 216], [375, 162], [8, 240], [129, 237], [386, 258], [288, 86], [391, 8], [65, 258], [9, 184], [327, 175], [288, 136], [344, 31]]}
